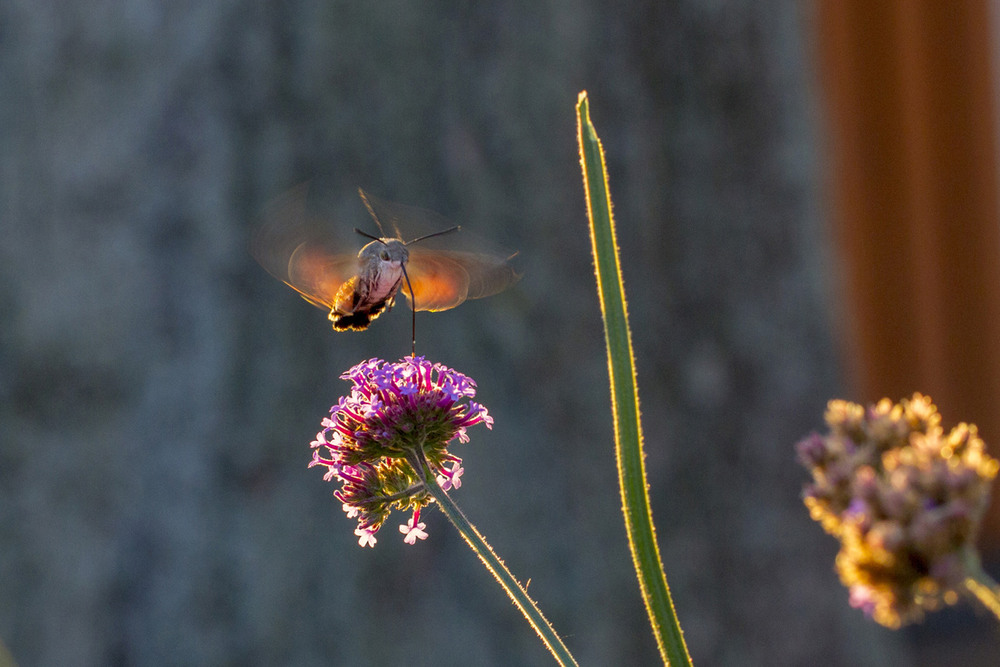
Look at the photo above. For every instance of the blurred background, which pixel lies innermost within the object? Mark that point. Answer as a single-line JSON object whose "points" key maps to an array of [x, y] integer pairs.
{"points": [[806, 198]]}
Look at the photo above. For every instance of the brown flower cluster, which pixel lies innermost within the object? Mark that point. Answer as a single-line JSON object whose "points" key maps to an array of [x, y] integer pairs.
{"points": [[904, 498]]}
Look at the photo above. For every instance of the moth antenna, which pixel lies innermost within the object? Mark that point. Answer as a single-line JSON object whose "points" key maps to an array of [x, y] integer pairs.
{"points": [[371, 210], [413, 311], [369, 236], [430, 236]]}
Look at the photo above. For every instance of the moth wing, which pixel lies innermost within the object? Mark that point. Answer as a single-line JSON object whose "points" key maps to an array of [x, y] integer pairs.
{"points": [[293, 249], [443, 279], [323, 279]]}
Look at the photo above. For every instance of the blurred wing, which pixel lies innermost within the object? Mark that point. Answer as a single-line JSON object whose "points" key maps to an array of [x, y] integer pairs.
{"points": [[296, 253], [320, 276], [443, 279]]}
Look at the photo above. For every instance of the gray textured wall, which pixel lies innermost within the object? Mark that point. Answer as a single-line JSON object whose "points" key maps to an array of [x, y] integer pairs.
{"points": [[158, 390]]}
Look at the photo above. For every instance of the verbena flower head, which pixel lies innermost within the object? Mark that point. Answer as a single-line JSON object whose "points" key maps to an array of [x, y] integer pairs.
{"points": [[904, 499], [371, 441]]}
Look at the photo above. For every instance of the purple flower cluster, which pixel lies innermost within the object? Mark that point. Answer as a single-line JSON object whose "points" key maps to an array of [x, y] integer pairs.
{"points": [[904, 498], [398, 418]]}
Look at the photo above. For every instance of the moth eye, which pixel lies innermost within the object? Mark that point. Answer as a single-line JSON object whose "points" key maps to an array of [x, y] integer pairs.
{"points": [[384, 255]]}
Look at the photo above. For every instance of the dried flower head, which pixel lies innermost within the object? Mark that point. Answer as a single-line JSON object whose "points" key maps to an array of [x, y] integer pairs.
{"points": [[904, 499], [377, 440]]}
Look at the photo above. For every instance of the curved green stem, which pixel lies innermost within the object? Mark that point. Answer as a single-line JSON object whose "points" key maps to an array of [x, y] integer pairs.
{"points": [[625, 398], [380, 500], [981, 585], [492, 562]]}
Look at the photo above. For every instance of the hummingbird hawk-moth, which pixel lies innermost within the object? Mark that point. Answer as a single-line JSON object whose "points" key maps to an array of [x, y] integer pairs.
{"points": [[358, 287]]}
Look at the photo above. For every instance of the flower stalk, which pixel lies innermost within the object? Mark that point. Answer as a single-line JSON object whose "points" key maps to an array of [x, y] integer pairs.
{"points": [[981, 586], [518, 595]]}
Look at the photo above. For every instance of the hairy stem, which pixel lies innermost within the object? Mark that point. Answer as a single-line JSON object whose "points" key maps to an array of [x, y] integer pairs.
{"points": [[478, 544]]}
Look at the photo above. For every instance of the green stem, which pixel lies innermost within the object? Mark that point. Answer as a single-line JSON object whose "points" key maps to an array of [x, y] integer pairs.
{"points": [[625, 398], [492, 562], [981, 585], [382, 500]]}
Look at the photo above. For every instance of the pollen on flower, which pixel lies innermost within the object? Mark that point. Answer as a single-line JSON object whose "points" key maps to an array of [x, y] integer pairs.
{"points": [[374, 437], [904, 499]]}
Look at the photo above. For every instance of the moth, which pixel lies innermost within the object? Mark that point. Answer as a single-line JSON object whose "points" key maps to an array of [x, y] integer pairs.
{"points": [[357, 287]]}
